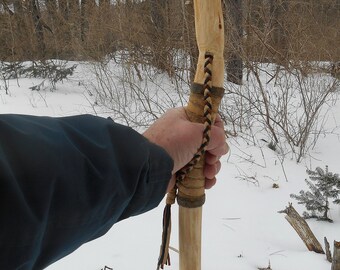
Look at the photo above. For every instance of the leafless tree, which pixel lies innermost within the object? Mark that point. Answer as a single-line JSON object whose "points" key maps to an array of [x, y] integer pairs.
{"points": [[234, 26]]}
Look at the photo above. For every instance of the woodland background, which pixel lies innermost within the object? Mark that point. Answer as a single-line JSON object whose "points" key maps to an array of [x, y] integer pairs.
{"points": [[153, 31], [132, 60], [289, 45]]}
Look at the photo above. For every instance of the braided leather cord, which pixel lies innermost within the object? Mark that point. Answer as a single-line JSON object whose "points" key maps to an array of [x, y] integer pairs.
{"points": [[207, 86]]}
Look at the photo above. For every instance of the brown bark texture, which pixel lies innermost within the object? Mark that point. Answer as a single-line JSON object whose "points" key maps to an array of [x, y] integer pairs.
{"points": [[302, 229], [336, 256]]}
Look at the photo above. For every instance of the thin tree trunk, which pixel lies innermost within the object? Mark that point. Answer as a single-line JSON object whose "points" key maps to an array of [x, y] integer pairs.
{"points": [[87, 9], [278, 12], [159, 40], [74, 19], [189, 40], [21, 33], [83, 20], [64, 9], [38, 28], [234, 66]]}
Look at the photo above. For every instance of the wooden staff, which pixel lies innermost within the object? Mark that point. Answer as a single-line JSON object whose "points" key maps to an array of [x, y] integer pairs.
{"points": [[205, 97]]}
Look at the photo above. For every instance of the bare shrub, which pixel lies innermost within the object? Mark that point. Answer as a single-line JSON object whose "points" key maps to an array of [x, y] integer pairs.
{"points": [[134, 94], [287, 106], [9, 71]]}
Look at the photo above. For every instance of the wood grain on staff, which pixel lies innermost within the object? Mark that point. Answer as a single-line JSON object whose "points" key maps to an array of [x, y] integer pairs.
{"points": [[210, 39]]}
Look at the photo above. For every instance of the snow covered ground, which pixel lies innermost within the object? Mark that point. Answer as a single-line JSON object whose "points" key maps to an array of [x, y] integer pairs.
{"points": [[241, 227]]}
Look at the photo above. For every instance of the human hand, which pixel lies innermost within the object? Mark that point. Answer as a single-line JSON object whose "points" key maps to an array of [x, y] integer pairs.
{"points": [[181, 139]]}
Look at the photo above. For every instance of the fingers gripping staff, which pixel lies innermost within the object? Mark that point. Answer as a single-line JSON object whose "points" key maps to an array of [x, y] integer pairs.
{"points": [[206, 94]]}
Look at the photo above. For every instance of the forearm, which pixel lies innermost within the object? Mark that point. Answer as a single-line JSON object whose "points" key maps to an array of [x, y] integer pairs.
{"points": [[65, 181]]}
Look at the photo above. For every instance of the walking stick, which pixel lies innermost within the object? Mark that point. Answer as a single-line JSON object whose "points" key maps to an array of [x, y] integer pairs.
{"points": [[206, 94]]}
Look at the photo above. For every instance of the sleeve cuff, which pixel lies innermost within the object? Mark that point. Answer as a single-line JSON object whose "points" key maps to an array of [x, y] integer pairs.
{"points": [[153, 185]]}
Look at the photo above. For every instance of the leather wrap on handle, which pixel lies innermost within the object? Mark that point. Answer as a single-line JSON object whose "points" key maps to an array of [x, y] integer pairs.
{"points": [[210, 40]]}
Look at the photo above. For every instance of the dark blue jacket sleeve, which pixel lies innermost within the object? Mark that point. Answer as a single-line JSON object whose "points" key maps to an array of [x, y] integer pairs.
{"points": [[65, 181]]}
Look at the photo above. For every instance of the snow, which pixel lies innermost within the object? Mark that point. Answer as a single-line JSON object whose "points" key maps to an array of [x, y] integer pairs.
{"points": [[241, 227]]}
